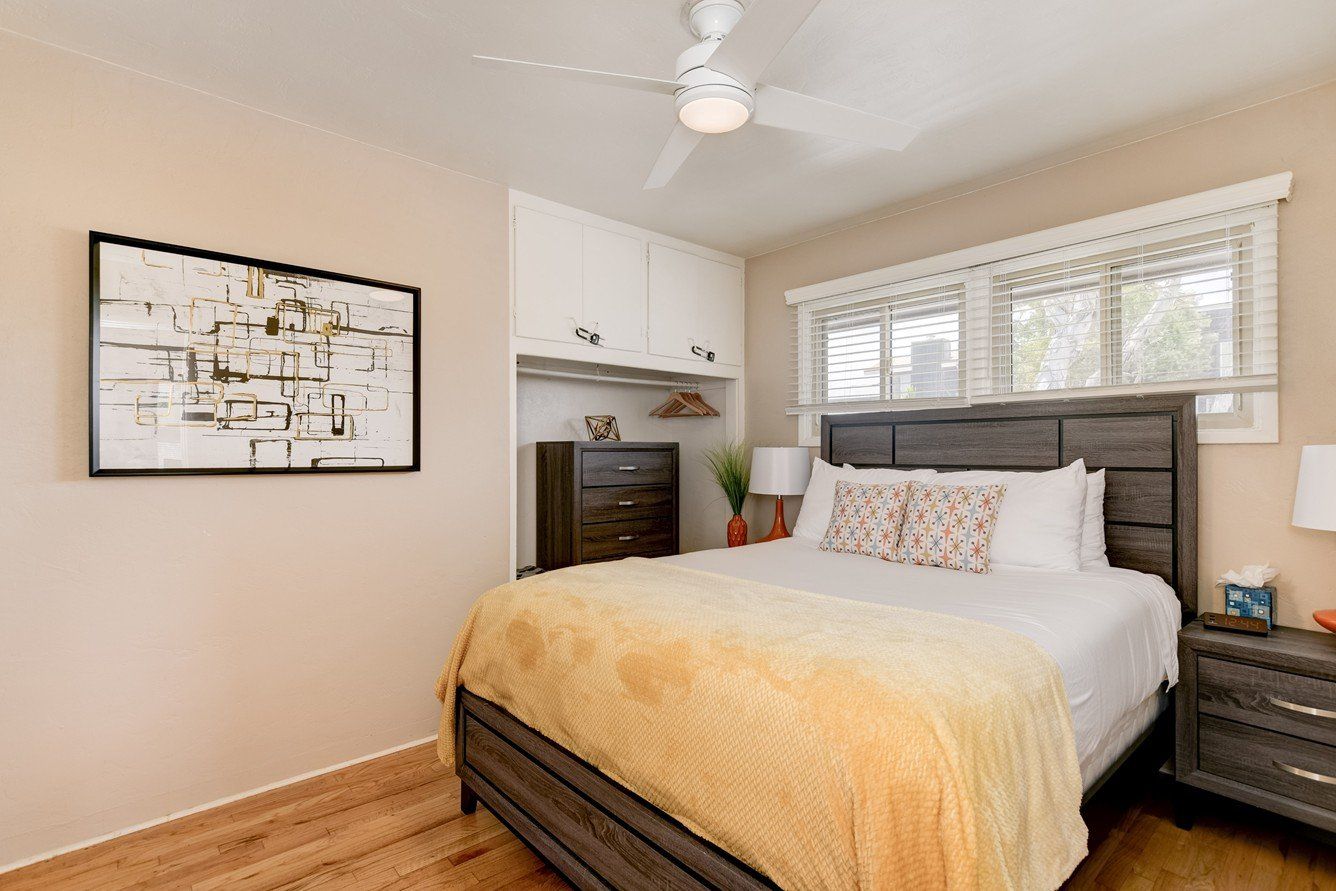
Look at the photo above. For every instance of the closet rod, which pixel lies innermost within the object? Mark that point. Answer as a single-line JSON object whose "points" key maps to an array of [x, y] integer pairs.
{"points": [[586, 376]]}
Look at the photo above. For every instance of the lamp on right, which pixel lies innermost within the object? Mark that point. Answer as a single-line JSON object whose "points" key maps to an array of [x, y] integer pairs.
{"points": [[1315, 503]]}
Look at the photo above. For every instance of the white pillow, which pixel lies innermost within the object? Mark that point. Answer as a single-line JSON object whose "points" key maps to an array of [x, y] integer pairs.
{"points": [[1041, 518], [819, 499], [1092, 536]]}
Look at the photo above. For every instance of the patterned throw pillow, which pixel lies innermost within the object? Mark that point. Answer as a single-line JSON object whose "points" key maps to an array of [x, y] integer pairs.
{"points": [[949, 526], [866, 518]]}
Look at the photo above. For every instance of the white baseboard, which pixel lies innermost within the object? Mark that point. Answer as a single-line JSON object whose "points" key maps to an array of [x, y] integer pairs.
{"points": [[87, 843]]}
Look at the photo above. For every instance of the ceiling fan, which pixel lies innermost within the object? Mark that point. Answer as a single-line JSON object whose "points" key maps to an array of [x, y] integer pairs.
{"points": [[716, 88]]}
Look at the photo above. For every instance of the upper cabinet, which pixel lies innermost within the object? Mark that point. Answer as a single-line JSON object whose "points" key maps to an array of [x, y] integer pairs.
{"points": [[695, 307], [578, 284], [594, 290], [549, 276], [614, 289]]}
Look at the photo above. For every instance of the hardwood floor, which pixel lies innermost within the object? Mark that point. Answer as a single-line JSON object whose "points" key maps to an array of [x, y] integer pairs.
{"points": [[394, 823]]}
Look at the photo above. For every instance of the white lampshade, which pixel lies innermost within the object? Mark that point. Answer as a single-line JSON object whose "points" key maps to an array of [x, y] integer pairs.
{"points": [[1315, 495], [780, 471]]}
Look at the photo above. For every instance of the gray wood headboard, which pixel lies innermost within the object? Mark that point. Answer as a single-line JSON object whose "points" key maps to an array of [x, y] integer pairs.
{"points": [[1146, 444]]}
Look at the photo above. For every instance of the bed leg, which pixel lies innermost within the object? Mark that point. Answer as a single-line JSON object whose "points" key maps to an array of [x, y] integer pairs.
{"points": [[468, 799], [1185, 806]]}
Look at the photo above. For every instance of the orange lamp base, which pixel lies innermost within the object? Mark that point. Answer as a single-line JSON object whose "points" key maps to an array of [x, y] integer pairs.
{"points": [[1326, 618], [779, 530]]}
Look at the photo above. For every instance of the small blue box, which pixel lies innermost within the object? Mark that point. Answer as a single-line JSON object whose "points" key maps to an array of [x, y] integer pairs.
{"points": [[1254, 602]]}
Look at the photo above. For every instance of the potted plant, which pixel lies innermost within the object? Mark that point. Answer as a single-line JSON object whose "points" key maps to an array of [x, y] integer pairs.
{"points": [[732, 471]]}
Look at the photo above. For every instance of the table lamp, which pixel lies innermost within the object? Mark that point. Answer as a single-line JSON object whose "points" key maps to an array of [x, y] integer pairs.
{"points": [[780, 472], [1315, 503]]}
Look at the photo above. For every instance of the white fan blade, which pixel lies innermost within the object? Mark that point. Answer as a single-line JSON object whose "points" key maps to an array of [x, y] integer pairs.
{"points": [[794, 111], [681, 142], [757, 38], [606, 78]]}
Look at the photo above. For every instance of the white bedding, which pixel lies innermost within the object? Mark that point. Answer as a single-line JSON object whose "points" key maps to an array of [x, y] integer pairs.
{"points": [[1113, 632]]}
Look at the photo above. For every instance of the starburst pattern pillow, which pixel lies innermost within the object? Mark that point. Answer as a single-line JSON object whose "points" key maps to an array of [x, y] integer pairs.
{"points": [[866, 519], [949, 526]]}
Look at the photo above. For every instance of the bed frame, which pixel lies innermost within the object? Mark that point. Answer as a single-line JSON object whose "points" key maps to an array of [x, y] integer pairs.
{"points": [[599, 835]]}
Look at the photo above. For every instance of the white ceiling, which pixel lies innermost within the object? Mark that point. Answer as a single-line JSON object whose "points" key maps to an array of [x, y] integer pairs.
{"points": [[996, 86]]}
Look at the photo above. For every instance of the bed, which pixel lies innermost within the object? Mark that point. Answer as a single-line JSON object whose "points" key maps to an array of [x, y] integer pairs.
{"points": [[1109, 632]]}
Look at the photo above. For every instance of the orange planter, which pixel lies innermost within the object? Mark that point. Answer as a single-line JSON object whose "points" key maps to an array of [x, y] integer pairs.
{"points": [[737, 531]]}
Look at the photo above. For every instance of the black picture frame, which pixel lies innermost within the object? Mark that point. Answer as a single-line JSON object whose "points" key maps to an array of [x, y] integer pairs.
{"points": [[97, 239]]}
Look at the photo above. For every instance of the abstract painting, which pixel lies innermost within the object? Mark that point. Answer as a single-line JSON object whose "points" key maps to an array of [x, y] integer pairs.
{"points": [[211, 363]]}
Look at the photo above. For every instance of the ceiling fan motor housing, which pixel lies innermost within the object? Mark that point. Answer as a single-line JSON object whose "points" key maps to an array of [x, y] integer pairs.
{"points": [[713, 19]]}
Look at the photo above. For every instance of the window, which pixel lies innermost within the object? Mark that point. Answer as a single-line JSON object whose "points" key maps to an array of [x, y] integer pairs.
{"points": [[1177, 306], [1186, 306], [901, 344]]}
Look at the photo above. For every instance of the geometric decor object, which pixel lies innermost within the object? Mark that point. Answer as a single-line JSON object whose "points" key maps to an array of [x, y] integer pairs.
{"points": [[204, 362], [602, 428]]}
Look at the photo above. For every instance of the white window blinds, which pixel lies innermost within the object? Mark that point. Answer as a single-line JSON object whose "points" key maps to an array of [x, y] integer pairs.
{"points": [[897, 343], [1187, 307]]}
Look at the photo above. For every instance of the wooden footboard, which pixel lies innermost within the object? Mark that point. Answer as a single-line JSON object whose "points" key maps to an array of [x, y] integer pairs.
{"points": [[600, 835], [594, 832]]}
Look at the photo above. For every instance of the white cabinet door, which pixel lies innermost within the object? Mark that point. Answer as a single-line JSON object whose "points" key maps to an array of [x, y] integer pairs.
{"points": [[719, 310], [672, 302], [694, 302], [614, 289], [548, 276]]}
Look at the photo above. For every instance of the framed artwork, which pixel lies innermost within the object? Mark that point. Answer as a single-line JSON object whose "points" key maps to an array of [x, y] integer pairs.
{"points": [[204, 362]]}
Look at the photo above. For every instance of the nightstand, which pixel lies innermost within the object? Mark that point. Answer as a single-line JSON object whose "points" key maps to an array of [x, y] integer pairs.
{"points": [[1257, 720]]}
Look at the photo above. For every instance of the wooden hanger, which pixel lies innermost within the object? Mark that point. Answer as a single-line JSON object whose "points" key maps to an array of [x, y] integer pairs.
{"points": [[700, 402], [684, 404]]}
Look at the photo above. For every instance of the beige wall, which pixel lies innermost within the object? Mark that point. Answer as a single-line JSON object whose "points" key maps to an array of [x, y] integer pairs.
{"points": [[1246, 490], [166, 642]]}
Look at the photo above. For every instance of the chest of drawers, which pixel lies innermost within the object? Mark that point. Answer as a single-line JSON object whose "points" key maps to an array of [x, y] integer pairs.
{"points": [[1257, 719], [606, 500]]}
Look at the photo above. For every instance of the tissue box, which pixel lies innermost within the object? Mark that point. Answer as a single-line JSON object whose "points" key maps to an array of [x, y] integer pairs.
{"points": [[1254, 602]]}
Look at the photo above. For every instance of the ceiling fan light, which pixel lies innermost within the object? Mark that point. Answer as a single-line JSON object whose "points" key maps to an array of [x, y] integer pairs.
{"points": [[714, 114], [714, 109]]}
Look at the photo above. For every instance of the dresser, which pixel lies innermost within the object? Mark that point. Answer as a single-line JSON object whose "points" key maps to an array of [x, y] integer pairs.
{"points": [[1257, 720], [606, 500]]}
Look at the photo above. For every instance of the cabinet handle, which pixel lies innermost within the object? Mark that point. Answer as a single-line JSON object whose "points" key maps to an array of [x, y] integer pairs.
{"points": [[1302, 709], [627, 537], [630, 467], [707, 355], [592, 336], [1306, 774], [626, 504]]}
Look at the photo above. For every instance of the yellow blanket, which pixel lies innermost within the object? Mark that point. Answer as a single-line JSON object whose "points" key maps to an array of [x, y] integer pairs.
{"points": [[828, 743]]}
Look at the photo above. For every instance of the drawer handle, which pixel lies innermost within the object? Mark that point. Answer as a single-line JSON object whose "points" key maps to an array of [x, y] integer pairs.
{"points": [[1306, 774], [629, 467], [627, 537], [626, 504], [1302, 709]]}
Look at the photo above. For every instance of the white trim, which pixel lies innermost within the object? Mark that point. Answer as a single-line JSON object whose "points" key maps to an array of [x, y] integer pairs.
{"points": [[1265, 427], [259, 790], [1257, 191], [530, 347], [809, 430], [1248, 384], [663, 383], [1252, 383]]}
